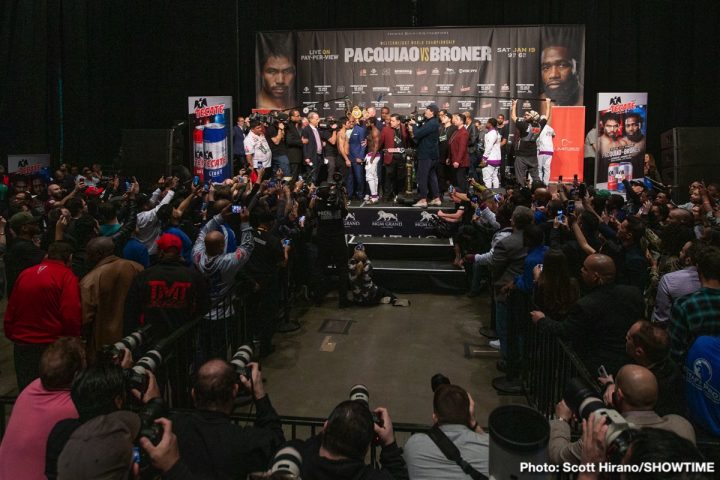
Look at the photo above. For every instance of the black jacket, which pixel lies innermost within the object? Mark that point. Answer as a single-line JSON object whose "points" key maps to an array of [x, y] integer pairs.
{"points": [[167, 295], [310, 148], [293, 141], [427, 138], [211, 444], [315, 467], [22, 254], [597, 324]]}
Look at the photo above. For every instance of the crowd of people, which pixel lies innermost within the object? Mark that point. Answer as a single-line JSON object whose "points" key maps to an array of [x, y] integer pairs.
{"points": [[630, 283]]}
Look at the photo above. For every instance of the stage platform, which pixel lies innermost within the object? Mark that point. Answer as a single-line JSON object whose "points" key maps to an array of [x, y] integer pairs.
{"points": [[404, 247]]}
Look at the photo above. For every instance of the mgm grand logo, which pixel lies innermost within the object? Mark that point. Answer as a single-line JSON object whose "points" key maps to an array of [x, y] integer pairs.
{"points": [[427, 219], [350, 220], [386, 220]]}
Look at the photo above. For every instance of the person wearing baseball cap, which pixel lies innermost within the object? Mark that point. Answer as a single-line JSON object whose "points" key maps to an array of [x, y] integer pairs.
{"points": [[22, 252], [168, 294], [427, 138]]}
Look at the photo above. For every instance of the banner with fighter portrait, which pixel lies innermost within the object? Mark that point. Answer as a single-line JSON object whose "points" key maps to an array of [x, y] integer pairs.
{"points": [[461, 69], [621, 138]]}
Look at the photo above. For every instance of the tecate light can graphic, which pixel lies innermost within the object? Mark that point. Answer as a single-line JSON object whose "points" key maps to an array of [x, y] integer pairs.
{"points": [[612, 176], [217, 167], [199, 162]]}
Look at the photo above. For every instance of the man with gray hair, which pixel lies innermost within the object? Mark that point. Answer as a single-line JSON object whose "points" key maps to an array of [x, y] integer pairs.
{"points": [[507, 263]]}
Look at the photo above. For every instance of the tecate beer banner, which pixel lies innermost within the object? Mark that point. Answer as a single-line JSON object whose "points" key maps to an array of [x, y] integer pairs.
{"points": [[621, 138], [461, 69], [210, 122], [28, 164]]}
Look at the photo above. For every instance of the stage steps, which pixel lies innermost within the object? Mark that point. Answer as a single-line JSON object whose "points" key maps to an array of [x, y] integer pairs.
{"points": [[402, 244], [408, 248]]}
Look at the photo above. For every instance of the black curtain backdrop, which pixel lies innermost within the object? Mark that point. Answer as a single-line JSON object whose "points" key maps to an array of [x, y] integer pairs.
{"points": [[74, 73]]}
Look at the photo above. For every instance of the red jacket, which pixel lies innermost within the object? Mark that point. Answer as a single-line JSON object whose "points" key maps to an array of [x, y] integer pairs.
{"points": [[458, 148], [387, 140], [44, 305]]}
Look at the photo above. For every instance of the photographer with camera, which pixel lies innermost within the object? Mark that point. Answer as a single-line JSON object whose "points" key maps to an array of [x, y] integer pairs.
{"points": [[427, 137], [210, 442], [453, 421], [634, 398], [339, 451], [98, 390], [328, 206]]}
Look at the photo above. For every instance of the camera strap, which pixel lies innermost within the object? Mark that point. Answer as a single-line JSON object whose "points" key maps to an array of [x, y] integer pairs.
{"points": [[451, 452]]}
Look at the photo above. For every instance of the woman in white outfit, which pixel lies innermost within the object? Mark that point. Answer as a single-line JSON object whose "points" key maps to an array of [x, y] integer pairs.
{"points": [[492, 156]]}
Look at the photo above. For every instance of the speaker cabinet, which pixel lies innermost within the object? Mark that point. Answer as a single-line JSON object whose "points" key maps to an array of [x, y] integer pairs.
{"points": [[687, 155], [151, 153]]}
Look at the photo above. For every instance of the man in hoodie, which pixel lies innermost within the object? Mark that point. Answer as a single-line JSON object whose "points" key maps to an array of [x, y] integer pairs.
{"points": [[339, 451], [219, 269]]}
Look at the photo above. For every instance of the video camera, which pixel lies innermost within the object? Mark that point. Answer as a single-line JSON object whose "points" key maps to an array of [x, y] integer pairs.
{"points": [[131, 342], [583, 400], [328, 125], [417, 116], [272, 118]]}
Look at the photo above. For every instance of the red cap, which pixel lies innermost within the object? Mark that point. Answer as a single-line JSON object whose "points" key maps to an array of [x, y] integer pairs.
{"points": [[168, 241]]}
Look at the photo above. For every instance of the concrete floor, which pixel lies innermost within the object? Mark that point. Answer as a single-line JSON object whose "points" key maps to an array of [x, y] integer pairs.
{"points": [[392, 350]]}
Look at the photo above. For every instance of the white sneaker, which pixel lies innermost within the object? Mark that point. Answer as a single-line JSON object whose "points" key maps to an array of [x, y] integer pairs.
{"points": [[366, 198], [494, 344]]}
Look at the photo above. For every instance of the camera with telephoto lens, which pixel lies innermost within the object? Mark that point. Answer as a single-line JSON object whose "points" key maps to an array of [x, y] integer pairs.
{"points": [[361, 394], [286, 464], [137, 375], [240, 360], [583, 400], [131, 342], [148, 413]]}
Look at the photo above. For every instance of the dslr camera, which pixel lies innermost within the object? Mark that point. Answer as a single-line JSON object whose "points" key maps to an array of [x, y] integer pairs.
{"points": [[583, 400], [361, 394]]}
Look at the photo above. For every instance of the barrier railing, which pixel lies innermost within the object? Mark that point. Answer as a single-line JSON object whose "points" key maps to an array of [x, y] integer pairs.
{"points": [[551, 364]]}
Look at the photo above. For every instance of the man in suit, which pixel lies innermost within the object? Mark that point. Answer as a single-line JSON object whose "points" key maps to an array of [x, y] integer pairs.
{"points": [[313, 149], [598, 322], [507, 262], [427, 138], [293, 141]]}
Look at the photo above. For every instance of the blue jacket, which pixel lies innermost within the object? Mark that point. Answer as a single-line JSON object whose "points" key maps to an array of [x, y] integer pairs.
{"points": [[534, 257], [427, 138]]}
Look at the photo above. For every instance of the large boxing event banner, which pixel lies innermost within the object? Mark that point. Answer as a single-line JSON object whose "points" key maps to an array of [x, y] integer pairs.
{"points": [[210, 122], [461, 69], [621, 138]]}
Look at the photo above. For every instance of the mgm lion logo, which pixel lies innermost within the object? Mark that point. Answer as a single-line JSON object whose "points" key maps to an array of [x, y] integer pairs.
{"points": [[386, 217], [426, 216]]}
